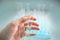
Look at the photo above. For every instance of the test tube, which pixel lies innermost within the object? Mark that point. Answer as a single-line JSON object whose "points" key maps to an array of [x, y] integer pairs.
{"points": [[27, 13]]}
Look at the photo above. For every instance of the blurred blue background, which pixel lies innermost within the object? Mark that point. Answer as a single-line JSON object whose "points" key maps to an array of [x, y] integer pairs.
{"points": [[46, 11]]}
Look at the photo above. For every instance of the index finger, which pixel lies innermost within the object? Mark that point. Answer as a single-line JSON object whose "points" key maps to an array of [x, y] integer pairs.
{"points": [[26, 18]]}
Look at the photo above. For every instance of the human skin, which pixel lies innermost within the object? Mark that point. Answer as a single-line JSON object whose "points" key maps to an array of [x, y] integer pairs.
{"points": [[16, 29]]}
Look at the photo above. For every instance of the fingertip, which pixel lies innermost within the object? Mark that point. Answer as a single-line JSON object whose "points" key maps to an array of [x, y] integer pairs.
{"points": [[32, 34], [35, 28], [32, 18]]}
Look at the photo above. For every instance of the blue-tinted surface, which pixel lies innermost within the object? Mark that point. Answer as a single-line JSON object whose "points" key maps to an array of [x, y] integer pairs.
{"points": [[8, 11]]}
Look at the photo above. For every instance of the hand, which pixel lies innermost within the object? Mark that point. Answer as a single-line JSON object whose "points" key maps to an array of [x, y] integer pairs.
{"points": [[16, 30]]}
